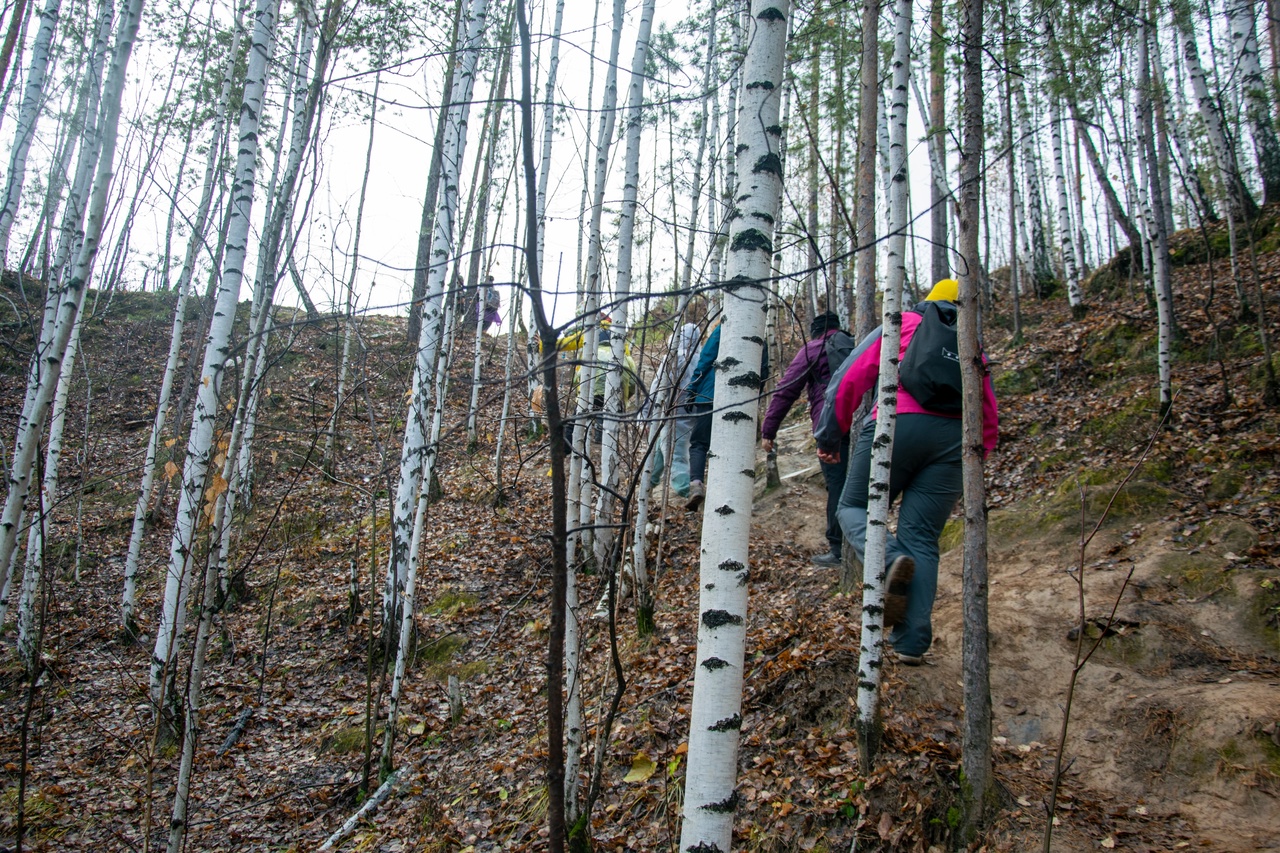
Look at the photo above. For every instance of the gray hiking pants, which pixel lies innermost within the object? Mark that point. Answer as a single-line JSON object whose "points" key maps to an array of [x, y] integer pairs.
{"points": [[926, 474]]}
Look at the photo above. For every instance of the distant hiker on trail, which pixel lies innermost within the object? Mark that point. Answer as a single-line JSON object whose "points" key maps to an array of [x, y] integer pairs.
{"points": [[925, 472], [700, 395], [699, 400], [810, 371], [488, 305], [683, 354]]}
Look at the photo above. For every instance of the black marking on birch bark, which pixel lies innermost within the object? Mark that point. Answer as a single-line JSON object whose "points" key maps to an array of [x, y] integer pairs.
{"points": [[774, 130], [755, 339], [752, 239], [744, 578], [730, 566], [764, 217], [731, 285], [767, 85], [769, 164], [703, 847], [742, 146], [726, 806], [747, 472], [715, 663], [719, 618], [736, 417], [772, 13], [725, 510], [728, 724], [727, 362], [710, 586], [750, 379]]}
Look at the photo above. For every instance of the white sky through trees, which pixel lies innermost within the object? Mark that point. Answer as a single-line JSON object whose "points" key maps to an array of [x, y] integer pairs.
{"points": [[410, 97]]}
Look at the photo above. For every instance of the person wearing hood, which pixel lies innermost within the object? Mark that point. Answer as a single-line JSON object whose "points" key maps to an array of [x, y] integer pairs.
{"points": [[925, 474], [809, 372]]}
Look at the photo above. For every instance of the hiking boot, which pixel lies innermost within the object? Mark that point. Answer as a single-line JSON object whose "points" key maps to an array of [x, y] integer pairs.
{"points": [[696, 493], [898, 587], [909, 660], [827, 560]]}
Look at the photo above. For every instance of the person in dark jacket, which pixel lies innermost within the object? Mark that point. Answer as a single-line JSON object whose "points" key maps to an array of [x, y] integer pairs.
{"points": [[810, 372], [925, 472], [700, 400]]}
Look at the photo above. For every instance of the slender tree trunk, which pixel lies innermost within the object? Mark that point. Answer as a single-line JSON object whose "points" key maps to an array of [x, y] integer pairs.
{"points": [[28, 116], [213, 169], [976, 742], [869, 102], [1148, 161], [559, 521], [938, 192], [1074, 297], [426, 228], [868, 723], [50, 358], [1244, 48], [200, 445], [415, 450], [716, 719]]}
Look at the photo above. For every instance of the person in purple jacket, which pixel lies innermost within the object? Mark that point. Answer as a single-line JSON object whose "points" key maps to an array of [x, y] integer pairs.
{"points": [[809, 372]]}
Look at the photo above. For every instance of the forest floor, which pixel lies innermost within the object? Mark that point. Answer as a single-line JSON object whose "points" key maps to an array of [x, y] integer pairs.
{"points": [[1174, 736]]}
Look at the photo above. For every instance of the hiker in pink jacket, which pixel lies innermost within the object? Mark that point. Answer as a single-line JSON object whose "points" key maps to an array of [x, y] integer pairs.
{"points": [[925, 473]]}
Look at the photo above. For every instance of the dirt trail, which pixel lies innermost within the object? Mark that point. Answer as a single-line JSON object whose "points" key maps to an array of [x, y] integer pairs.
{"points": [[1175, 718]]}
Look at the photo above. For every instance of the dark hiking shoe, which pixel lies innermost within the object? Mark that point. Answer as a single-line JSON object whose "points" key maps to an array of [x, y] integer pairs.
{"points": [[696, 493], [898, 587], [827, 560]]}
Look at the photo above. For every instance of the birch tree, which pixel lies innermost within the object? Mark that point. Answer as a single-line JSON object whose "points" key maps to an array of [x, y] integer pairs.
{"points": [[197, 488], [28, 116], [1253, 88], [715, 718], [1074, 297], [212, 173], [44, 377], [415, 450], [1156, 221]]}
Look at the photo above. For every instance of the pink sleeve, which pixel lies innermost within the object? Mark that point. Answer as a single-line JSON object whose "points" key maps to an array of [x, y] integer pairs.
{"points": [[990, 417], [857, 381]]}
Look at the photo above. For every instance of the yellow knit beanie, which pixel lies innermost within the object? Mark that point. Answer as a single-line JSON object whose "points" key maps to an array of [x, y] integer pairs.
{"points": [[947, 290]]}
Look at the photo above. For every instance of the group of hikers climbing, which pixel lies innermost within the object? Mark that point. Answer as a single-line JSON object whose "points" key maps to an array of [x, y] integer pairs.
{"points": [[836, 372]]}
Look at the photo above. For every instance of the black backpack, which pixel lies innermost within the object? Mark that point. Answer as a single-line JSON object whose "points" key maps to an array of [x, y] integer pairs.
{"points": [[930, 369], [837, 349]]}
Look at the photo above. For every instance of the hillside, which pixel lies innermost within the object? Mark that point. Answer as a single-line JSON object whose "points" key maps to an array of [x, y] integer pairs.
{"points": [[1175, 725]]}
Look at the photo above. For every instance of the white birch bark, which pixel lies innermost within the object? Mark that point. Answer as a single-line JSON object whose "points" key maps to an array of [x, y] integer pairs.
{"points": [[49, 362], [1153, 210], [415, 452], [614, 379], [1074, 298], [1253, 88], [213, 169], [579, 488], [716, 719], [544, 174], [871, 652], [191, 723], [71, 233], [200, 446], [686, 272], [1040, 268], [349, 320], [36, 534], [28, 116]]}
